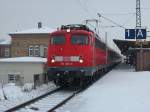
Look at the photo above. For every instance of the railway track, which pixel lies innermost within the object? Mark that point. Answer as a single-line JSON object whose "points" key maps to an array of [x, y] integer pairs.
{"points": [[45, 103], [50, 101]]}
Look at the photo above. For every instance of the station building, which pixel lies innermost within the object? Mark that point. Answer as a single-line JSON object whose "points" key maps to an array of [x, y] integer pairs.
{"points": [[137, 53], [23, 57], [21, 70], [31, 42]]}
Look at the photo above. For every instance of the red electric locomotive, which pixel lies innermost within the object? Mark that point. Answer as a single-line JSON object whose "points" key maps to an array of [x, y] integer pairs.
{"points": [[76, 54]]}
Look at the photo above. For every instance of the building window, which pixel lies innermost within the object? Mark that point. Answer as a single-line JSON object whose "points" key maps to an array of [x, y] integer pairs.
{"points": [[17, 77], [1, 52], [31, 51], [41, 50], [11, 78], [6, 52], [36, 51], [14, 78]]}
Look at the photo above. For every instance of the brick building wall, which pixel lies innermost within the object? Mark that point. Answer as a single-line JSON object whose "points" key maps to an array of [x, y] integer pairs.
{"points": [[29, 45], [5, 51]]}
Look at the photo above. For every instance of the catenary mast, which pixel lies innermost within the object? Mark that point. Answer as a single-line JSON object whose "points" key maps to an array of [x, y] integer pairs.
{"points": [[138, 14]]}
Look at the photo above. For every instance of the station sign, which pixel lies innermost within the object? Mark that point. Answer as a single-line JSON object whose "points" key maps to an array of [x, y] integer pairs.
{"points": [[135, 33], [129, 33]]}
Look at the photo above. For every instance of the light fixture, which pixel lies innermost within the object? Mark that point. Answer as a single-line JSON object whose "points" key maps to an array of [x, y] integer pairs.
{"points": [[81, 60], [68, 30], [52, 60]]}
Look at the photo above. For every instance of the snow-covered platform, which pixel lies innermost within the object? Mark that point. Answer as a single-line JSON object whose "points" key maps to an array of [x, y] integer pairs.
{"points": [[121, 90]]}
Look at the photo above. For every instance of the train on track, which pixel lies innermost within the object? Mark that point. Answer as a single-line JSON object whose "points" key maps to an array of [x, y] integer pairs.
{"points": [[76, 56]]}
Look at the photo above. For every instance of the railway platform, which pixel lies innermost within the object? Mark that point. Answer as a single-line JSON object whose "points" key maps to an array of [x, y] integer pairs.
{"points": [[121, 90]]}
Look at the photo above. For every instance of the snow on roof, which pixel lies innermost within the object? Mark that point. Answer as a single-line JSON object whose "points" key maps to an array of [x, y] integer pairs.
{"points": [[42, 30], [6, 41], [24, 59]]}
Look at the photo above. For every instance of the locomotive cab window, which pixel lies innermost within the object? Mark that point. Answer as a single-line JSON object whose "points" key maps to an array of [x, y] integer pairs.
{"points": [[80, 39], [59, 39]]}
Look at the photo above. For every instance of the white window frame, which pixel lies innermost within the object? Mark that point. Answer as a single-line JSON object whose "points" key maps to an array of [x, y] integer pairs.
{"points": [[37, 50], [31, 51], [6, 52], [11, 78]]}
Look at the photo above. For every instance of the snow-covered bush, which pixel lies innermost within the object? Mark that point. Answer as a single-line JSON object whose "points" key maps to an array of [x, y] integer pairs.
{"points": [[28, 87]]}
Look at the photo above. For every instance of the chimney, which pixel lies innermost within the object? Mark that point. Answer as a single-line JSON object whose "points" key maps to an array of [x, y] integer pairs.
{"points": [[39, 24]]}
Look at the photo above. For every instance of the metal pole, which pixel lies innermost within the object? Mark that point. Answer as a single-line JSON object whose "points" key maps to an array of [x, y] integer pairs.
{"points": [[138, 26], [141, 57], [138, 14], [106, 48]]}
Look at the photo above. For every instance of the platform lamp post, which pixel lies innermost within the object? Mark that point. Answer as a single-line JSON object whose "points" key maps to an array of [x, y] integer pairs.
{"points": [[106, 34], [106, 48]]}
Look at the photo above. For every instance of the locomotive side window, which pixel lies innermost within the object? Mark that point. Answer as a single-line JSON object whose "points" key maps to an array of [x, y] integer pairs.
{"points": [[59, 39], [80, 39]]}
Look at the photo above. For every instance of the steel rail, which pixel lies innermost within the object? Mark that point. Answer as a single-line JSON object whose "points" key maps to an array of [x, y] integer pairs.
{"points": [[61, 103], [79, 91], [64, 101], [31, 101]]}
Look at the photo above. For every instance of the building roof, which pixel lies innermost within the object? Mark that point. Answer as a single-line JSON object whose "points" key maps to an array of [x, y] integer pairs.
{"points": [[6, 41], [43, 30], [125, 46], [24, 60]]}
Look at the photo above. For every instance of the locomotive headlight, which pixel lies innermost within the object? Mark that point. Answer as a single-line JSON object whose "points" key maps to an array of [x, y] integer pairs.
{"points": [[81, 60], [52, 60], [68, 30]]}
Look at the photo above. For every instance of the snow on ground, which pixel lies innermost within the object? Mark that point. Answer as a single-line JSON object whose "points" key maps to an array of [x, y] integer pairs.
{"points": [[121, 90], [16, 95]]}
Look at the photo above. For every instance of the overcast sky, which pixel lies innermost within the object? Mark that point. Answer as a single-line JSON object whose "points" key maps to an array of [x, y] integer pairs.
{"points": [[18, 15]]}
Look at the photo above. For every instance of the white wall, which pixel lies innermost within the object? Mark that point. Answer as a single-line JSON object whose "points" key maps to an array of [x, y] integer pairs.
{"points": [[26, 70]]}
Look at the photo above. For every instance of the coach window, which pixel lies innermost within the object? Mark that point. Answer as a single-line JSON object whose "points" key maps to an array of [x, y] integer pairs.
{"points": [[80, 39], [59, 39]]}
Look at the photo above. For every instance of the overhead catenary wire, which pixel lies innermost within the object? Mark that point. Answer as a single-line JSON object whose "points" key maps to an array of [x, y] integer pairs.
{"points": [[129, 19], [110, 20], [83, 4], [118, 14], [84, 7]]}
